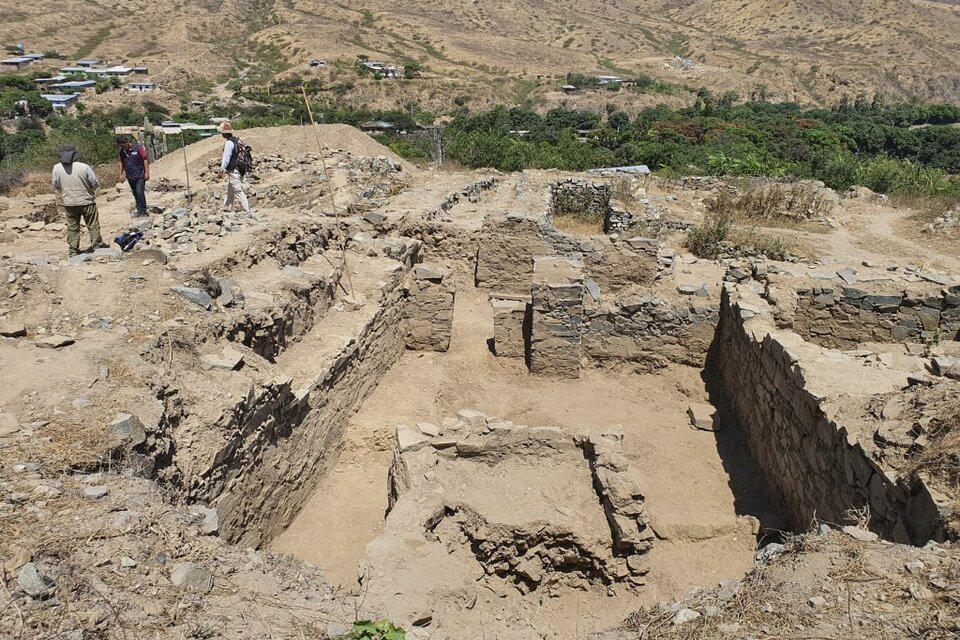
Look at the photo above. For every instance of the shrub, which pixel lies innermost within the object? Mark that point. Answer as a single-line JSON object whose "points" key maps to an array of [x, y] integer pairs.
{"points": [[379, 630], [705, 240]]}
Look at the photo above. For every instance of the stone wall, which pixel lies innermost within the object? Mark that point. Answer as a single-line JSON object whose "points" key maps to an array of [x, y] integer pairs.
{"points": [[428, 311], [648, 331], [842, 316], [509, 243], [581, 199], [557, 302], [814, 466]]}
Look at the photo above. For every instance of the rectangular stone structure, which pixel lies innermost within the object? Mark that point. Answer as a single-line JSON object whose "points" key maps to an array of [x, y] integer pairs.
{"points": [[557, 302], [429, 308], [511, 330]]}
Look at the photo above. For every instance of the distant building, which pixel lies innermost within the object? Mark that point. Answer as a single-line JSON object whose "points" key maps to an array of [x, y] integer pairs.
{"points": [[118, 71], [60, 100], [73, 69], [50, 80], [73, 85], [141, 86], [141, 70], [16, 63], [87, 63], [377, 126], [569, 88], [33, 56], [382, 69], [317, 64], [609, 79]]}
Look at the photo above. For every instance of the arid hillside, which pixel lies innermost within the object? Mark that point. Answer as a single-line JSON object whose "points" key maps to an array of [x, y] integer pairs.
{"points": [[807, 50]]}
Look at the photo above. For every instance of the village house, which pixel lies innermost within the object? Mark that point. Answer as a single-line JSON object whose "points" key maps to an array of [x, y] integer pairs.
{"points": [[141, 86], [61, 100]]}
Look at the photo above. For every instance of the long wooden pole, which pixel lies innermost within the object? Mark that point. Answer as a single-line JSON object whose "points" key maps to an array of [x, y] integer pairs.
{"points": [[330, 188], [186, 167]]}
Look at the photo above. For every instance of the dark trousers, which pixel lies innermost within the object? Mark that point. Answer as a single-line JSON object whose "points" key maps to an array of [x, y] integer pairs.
{"points": [[139, 187]]}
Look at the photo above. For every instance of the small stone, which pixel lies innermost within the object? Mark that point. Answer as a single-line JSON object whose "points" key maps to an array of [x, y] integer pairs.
{"points": [[128, 427], [191, 577], [210, 522], [55, 341], [860, 534], [428, 429], [375, 218], [194, 295], [37, 226], [95, 493], [472, 417], [427, 272], [703, 417], [410, 439], [55, 226], [817, 601], [127, 562], [337, 630], [354, 302], [11, 329], [18, 224], [31, 582], [228, 359], [685, 615]]}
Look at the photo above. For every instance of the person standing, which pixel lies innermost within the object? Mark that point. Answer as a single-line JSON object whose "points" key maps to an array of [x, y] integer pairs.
{"points": [[228, 166], [75, 185], [135, 168]]}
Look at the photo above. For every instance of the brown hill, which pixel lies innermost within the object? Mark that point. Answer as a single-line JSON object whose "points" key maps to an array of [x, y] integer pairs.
{"points": [[808, 50]]}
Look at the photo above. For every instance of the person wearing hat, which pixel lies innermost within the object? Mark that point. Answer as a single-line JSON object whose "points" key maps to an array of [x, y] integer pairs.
{"points": [[75, 185], [135, 168], [228, 166]]}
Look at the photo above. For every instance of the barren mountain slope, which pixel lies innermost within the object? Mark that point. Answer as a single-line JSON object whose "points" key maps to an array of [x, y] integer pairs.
{"points": [[809, 50]]}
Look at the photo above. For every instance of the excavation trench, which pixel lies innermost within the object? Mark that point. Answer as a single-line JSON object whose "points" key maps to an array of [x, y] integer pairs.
{"points": [[354, 392]]}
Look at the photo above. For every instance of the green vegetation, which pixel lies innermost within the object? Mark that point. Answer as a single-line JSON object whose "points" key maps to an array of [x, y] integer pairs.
{"points": [[380, 630], [94, 41], [861, 142]]}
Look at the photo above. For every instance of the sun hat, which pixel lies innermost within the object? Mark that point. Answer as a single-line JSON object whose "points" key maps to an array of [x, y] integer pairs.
{"points": [[225, 127]]}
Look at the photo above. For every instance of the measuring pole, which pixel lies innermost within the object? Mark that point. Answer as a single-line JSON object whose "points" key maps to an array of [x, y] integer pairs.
{"points": [[333, 201], [186, 167]]}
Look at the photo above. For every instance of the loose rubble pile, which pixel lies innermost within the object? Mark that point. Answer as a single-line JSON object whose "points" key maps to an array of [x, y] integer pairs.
{"points": [[852, 586], [182, 230]]}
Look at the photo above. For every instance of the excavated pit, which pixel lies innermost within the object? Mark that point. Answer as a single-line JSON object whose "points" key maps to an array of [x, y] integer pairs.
{"points": [[673, 424]]}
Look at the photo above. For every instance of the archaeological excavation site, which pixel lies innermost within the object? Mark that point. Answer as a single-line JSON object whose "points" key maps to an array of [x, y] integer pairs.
{"points": [[476, 405]]}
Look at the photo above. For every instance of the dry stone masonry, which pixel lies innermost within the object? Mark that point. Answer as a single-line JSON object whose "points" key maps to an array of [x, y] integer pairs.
{"points": [[816, 466], [429, 308], [557, 301]]}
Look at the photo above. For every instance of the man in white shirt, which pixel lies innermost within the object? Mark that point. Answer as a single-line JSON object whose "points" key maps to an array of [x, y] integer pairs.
{"points": [[228, 166], [75, 185]]}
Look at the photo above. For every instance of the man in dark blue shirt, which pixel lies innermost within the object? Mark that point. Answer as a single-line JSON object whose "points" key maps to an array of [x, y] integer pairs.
{"points": [[135, 168]]}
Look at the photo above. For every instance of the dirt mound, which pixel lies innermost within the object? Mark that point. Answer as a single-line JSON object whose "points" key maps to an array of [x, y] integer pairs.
{"points": [[289, 141]]}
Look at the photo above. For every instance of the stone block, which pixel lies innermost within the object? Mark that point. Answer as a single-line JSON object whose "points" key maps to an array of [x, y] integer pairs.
{"points": [[557, 300], [511, 327], [703, 417]]}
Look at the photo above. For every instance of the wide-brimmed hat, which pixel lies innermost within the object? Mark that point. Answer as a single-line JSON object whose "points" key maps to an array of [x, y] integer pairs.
{"points": [[225, 127], [69, 154]]}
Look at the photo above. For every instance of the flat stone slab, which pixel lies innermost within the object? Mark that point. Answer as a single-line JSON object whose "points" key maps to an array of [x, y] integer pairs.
{"points": [[53, 342], [11, 329], [194, 295], [228, 360]]}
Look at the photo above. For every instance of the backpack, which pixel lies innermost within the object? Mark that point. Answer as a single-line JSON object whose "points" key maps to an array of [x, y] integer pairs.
{"points": [[242, 159]]}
